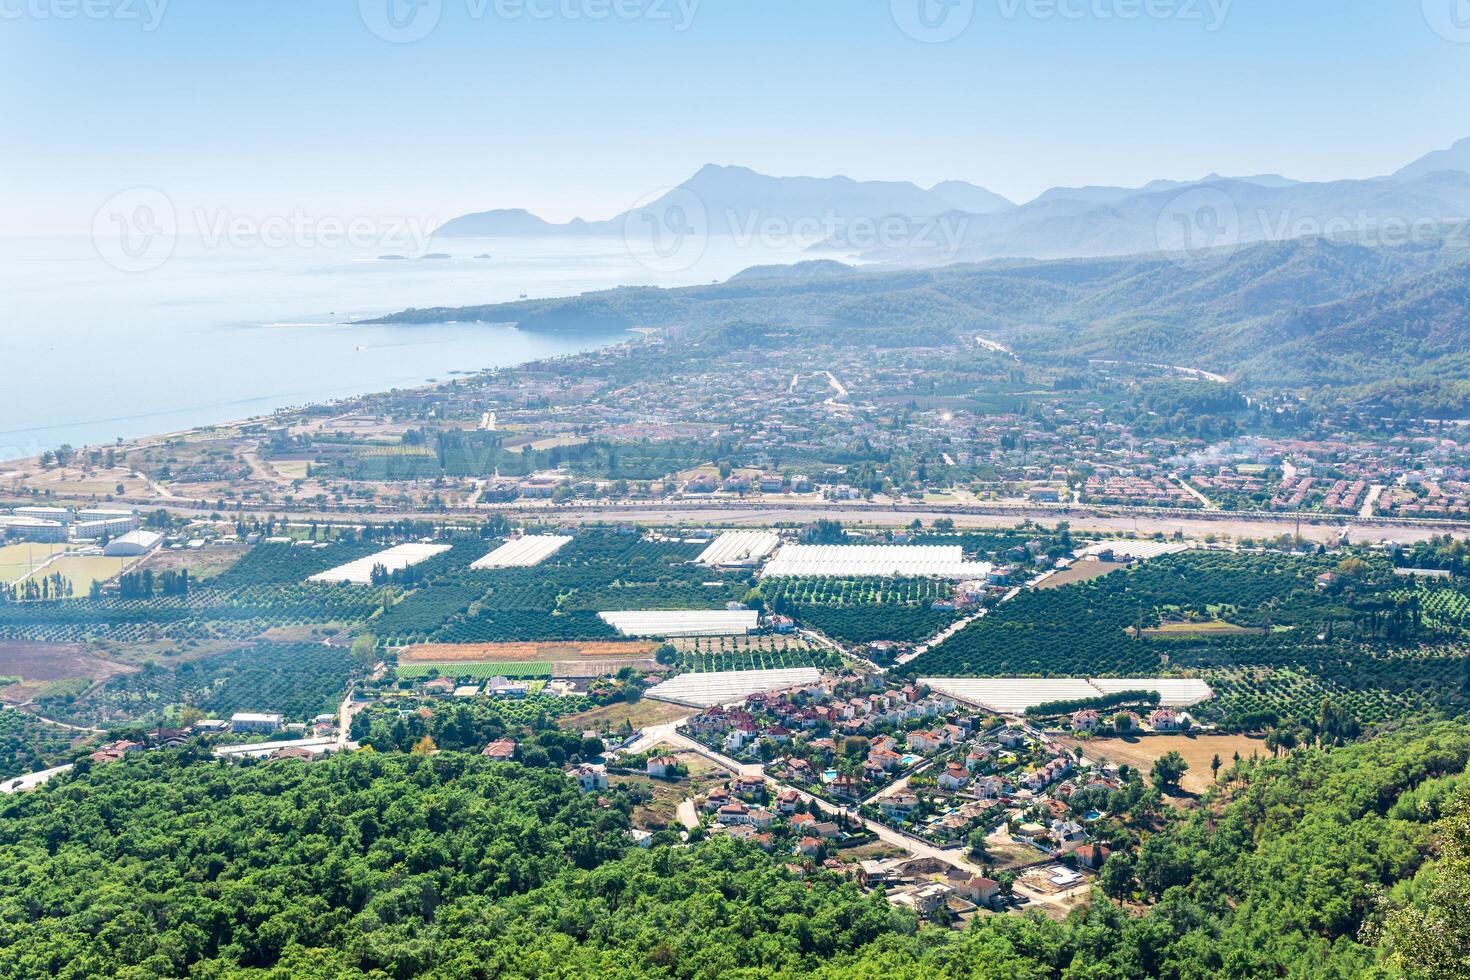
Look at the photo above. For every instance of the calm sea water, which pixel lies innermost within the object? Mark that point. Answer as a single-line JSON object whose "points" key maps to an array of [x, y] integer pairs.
{"points": [[90, 353]]}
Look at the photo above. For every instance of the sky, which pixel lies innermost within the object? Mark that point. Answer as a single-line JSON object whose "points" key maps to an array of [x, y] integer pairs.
{"points": [[431, 108]]}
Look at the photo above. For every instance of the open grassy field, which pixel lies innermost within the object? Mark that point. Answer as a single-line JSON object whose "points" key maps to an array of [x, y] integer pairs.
{"points": [[83, 570], [526, 652], [42, 665], [1209, 627], [17, 560], [1197, 750]]}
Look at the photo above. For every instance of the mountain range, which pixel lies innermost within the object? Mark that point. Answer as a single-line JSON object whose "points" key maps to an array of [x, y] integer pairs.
{"points": [[1063, 222], [1385, 330]]}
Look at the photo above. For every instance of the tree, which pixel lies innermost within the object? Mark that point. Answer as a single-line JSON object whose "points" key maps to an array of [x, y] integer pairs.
{"points": [[1168, 769], [1431, 938], [365, 651], [1215, 768], [1116, 876]]}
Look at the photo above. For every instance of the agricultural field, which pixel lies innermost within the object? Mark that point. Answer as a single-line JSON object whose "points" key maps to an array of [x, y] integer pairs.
{"points": [[706, 654], [725, 687], [28, 744], [1443, 606], [857, 611], [1084, 570], [759, 660], [559, 599], [1256, 627], [47, 667], [611, 717], [203, 563], [298, 680], [443, 652]]}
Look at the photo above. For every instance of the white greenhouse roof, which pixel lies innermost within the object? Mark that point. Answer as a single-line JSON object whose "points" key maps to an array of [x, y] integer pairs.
{"points": [[1174, 692], [739, 547], [876, 560], [524, 552], [730, 686], [1013, 695], [394, 559], [683, 622]]}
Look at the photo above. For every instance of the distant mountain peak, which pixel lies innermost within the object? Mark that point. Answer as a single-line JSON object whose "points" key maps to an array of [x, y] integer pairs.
{"points": [[1455, 158]]}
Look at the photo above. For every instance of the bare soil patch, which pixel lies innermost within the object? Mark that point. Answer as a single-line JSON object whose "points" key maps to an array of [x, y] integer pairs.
{"points": [[39, 664], [642, 714], [1198, 750], [201, 563], [1081, 571]]}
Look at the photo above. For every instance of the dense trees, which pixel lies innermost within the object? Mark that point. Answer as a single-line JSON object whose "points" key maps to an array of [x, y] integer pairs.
{"points": [[448, 865]]}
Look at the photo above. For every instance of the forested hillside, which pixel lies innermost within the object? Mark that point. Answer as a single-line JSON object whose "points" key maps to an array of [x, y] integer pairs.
{"points": [[1335, 322], [405, 865]]}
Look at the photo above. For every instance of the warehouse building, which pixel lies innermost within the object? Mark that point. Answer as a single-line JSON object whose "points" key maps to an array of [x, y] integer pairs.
{"points": [[134, 544]]}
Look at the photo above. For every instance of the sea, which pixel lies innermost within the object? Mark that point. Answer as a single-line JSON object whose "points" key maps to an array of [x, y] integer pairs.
{"points": [[93, 350]]}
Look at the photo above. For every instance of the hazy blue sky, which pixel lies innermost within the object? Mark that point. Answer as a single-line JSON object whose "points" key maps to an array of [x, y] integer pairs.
{"points": [[582, 107]]}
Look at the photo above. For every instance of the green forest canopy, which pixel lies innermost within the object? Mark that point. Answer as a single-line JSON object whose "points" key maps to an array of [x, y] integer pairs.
{"points": [[401, 865]]}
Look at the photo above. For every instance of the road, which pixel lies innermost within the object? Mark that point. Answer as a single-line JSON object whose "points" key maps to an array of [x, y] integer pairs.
{"points": [[669, 734], [21, 784], [1194, 492], [1371, 502]]}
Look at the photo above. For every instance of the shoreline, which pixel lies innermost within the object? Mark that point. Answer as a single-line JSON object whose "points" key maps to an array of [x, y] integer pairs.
{"points": [[151, 439]]}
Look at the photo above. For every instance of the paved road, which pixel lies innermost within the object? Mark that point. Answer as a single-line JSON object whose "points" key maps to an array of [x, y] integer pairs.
{"points": [[21, 784], [666, 734]]}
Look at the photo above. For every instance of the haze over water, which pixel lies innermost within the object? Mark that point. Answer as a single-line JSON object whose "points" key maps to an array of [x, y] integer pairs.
{"points": [[91, 354]]}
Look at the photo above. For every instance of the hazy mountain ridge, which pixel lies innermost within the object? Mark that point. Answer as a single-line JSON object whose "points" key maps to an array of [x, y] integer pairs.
{"points": [[733, 199], [1340, 321], [1063, 222]]}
